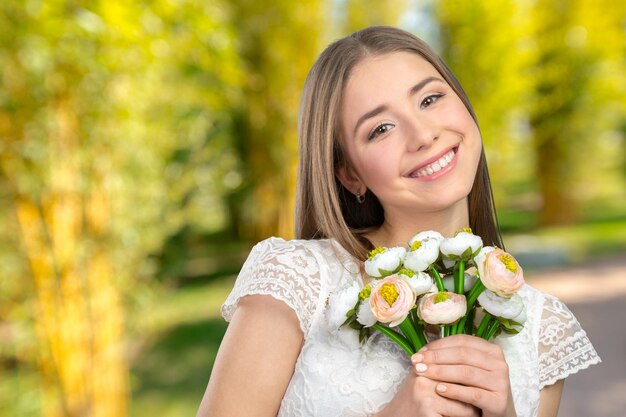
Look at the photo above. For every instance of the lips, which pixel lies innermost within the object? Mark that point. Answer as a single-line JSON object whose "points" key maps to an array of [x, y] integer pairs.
{"points": [[434, 164]]}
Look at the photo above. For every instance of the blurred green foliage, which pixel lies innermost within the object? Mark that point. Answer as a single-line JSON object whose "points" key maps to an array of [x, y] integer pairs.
{"points": [[169, 128]]}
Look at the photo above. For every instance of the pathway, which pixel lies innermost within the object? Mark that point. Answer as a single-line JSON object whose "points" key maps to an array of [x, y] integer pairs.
{"points": [[596, 294]]}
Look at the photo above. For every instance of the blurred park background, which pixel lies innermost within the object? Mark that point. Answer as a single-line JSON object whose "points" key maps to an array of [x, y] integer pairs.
{"points": [[146, 145]]}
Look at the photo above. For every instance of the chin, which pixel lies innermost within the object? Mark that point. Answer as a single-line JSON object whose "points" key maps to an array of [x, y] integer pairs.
{"points": [[449, 202]]}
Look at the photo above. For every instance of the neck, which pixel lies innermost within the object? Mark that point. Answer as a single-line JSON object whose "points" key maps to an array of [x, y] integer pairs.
{"points": [[398, 229]]}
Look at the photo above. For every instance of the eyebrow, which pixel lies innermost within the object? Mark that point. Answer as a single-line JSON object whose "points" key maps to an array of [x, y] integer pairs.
{"points": [[412, 91]]}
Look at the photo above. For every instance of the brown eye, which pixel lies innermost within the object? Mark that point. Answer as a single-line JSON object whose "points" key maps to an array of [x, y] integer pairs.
{"points": [[430, 100], [381, 129]]}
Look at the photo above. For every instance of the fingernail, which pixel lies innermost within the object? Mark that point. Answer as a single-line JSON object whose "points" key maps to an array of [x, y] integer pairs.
{"points": [[418, 357], [441, 388], [421, 367]]}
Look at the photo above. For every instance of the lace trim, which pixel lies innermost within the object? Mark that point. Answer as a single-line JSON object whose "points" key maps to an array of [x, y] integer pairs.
{"points": [[564, 347], [287, 271]]}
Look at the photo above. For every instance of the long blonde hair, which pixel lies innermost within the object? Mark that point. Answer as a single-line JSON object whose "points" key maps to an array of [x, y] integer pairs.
{"points": [[326, 209]]}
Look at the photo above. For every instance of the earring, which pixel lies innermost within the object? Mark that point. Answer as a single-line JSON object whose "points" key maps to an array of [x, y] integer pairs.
{"points": [[360, 198]]}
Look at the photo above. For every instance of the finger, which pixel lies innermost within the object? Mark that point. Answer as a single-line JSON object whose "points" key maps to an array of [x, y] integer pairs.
{"points": [[458, 355], [463, 340], [482, 399], [450, 407], [459, 374]]}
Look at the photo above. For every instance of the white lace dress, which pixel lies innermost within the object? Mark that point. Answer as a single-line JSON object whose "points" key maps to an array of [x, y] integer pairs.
{"points": [[335, 376]]}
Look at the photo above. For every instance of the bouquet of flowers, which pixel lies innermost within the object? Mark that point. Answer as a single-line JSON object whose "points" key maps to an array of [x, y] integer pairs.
{"points": [[454, 283]]}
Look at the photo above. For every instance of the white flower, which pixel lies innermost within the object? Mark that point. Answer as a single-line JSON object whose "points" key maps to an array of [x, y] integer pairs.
{"points": [[479, 259], [422, 254], [364, 315], [448, 281], [428, 234], [432, 290], [442, 307], [507, 308], [384, 261], [521, 317], [458, 246], [420, 282], [340, 302], [448, 263]]}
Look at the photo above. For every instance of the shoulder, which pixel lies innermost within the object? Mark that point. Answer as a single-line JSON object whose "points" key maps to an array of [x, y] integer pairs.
{"points": [[276, 246], [291, 271], [546, 307], [310, 259], [563, 346], [285, 250]]}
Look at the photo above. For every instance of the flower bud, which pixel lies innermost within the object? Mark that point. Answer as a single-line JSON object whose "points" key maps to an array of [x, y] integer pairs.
{"points": [[499, 271], [391, 300], [384, 261], [442, 307]]}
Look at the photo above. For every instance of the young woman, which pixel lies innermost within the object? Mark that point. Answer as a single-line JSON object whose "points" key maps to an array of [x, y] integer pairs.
{"points": [[389, 146]]}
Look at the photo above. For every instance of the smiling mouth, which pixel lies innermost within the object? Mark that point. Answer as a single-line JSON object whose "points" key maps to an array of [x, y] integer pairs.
{"points": [[436, 166]]}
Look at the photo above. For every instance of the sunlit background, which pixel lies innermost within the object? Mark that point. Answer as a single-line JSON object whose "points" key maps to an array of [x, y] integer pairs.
{"points": [[146, 145]]}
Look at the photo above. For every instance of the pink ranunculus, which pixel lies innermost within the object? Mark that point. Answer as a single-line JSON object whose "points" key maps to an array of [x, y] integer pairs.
{"points": [[499, 271], [442, 307], [391, 300]]}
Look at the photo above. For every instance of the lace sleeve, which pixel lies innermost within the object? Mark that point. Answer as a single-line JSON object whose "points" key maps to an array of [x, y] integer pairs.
{"points": [[564, 347], [286, 270]]}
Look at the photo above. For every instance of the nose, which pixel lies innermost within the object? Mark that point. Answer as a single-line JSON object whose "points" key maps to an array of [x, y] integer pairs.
{"points": [[422, 132]]}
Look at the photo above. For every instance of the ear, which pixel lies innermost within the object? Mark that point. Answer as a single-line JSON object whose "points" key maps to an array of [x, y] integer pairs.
{"points": [[349, 179]]}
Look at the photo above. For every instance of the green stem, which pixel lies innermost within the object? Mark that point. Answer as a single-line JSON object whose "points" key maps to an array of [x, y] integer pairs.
{"points": [[398, 338], [468, 321], [459, 288], [460, 325], [419, 329], [438, 280], [459, 277], [476, 290], [484, 324], [409, 332], [493, 328], [414, 316]]}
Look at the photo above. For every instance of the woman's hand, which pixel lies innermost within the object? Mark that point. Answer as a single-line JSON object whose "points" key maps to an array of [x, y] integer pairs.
{"points": [[468, 370], [417, 398]]}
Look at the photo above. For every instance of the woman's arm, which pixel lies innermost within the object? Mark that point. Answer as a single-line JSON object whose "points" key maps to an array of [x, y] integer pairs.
{"points": [[255, 361], [550, 398]]}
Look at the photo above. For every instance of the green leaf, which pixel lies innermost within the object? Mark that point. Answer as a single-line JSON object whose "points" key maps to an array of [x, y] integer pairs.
{"points": [[355, 325], [348, 321], [467, 254], [384, 272], [364, 334]]}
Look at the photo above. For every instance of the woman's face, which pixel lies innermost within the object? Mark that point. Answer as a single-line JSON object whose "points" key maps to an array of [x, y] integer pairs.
{"points": [[408, 137]]}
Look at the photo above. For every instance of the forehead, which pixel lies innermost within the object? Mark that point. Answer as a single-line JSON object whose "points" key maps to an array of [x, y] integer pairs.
{"points": [[381, 78], [396, 67]]}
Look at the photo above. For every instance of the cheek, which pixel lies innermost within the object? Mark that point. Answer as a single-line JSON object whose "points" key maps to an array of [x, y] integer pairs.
{"points": [[376, 165]]}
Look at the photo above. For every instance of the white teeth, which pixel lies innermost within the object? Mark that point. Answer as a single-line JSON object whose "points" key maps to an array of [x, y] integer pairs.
{"points": [[435, 166]]}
